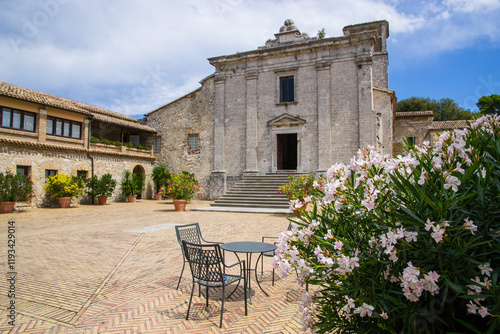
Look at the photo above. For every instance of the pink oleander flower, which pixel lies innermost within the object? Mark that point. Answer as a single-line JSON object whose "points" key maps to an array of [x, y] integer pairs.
{"points": [[338, 245], [452, 182], [429, 225], [384, 315], [469, 225], [328, 235], [483, 311], [364, 310]]}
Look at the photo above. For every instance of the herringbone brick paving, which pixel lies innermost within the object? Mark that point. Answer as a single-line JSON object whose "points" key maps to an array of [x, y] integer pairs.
{"points": [[87, 269]]}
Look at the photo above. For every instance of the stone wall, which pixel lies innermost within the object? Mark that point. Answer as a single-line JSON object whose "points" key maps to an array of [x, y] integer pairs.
{"points": [[411, 124], [191, 114], [68, 162]]}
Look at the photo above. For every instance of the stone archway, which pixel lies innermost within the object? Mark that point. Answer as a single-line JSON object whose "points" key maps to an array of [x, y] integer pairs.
{"points": [[138, 169]]}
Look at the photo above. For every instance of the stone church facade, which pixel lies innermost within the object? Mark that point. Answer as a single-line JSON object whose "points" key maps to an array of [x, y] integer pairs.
{"points": [[297, 104]]}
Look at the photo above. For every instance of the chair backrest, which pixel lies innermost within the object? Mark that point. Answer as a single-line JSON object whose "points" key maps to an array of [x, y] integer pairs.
{"points": [[205, 261], [190, 232]]}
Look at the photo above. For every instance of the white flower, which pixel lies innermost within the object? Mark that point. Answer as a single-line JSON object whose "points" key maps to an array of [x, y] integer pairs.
{"points": [[338, 245], [384, 315], [485, 269], [328, 235], [365, 310], [410, 236], [472, 308], [437, 234], [429, 225]]}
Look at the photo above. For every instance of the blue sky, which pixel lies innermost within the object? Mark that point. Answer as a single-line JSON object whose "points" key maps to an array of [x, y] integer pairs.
{"points": [[135, 56]]}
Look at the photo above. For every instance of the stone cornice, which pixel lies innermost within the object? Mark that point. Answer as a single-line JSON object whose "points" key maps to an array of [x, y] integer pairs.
{"points": [[365, 37]]}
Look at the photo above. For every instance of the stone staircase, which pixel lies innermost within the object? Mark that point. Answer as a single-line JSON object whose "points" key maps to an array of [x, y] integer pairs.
{"points": [[256, 191]]}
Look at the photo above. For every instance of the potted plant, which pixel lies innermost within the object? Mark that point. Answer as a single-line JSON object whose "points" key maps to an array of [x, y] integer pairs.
{"points": [[132, 185], [297, 190], [160, 175], [64, 188], [182, 188], [101, 187], [13, 187]]}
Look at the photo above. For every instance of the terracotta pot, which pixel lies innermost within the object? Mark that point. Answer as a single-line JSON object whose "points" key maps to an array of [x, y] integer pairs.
{"points": [[158, 197], [300, 211], [180, 204], [102, 200], [64, 202], [132, 199], [7, 207]]}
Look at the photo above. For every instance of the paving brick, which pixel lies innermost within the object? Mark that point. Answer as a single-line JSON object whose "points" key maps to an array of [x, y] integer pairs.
{"points": [[81, 272]]}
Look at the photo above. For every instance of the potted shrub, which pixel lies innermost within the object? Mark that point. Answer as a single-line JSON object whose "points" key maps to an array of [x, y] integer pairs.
{"points": [[297, 190], [182, 188], [13, 187], [64, 188], [160, 175], [101, 187], [132, 185]]}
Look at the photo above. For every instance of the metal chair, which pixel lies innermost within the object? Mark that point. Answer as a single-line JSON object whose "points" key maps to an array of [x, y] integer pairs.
{"points": [[271, 254], [208, 269], [190, 233]]}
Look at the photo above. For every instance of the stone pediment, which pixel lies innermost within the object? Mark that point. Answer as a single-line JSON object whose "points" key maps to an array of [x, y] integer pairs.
{"points": [[286, 120]]}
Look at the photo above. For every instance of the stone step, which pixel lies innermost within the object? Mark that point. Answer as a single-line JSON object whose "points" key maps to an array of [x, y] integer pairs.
{"points": [[256, 191], [251, 205]]}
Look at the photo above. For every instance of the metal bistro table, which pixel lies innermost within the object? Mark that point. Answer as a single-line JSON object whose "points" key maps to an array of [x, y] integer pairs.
{"points": [[249, 248]]}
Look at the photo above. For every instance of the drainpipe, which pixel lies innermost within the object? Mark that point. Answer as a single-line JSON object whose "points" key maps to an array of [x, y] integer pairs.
{"points": [[88, 152]]}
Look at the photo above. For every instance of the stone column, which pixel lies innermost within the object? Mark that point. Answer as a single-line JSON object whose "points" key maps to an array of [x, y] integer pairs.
{"points": [[218, 177], [219, 123], [42, 125], [324, 121], [367, 124], [251, 123], [85, 133]]}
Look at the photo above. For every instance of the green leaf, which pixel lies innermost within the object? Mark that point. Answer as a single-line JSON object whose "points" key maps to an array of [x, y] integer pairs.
{"points": [[454, 286]]}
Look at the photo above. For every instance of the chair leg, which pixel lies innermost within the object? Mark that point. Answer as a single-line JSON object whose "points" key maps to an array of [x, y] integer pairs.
{"points": [[207, 296], [180, 277], [245, 288], [222, 306], [190, 299], [273, 275]]}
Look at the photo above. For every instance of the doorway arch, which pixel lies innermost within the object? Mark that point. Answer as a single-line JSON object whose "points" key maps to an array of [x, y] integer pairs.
{"points": [[139, 170]]}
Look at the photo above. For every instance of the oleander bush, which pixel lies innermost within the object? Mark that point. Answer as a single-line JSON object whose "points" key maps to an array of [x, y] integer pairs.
{"points": [[409, 244]]}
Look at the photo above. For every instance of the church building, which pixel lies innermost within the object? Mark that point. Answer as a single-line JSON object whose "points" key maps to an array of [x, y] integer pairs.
{"points": [[298, 104]]}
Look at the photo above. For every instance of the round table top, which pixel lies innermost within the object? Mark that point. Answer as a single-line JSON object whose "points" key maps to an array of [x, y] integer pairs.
{"points": [[248, 247]]}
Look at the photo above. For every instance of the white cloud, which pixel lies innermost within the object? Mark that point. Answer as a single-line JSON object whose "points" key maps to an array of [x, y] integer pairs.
{"points": [[469, 6]]}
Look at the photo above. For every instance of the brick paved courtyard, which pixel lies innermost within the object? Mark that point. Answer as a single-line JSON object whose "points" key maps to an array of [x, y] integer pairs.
{"points": [[114, 269]]}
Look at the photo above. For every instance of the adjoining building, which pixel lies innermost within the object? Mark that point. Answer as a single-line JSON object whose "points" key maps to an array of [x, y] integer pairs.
{"points": [[419, 126], [42, 135], [297, 104]]}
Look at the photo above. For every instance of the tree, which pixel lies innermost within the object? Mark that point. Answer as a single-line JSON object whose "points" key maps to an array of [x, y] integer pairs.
{"points": [[489, 104], [321, 33], [444, 110]]}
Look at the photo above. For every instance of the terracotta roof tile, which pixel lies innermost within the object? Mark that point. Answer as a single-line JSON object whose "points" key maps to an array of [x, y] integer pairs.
{"points": [[414, 113], [449, 125], [101, 114]]}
